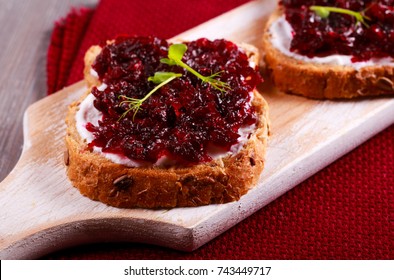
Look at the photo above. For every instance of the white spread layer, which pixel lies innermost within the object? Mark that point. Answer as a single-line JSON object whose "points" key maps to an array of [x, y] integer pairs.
{"points": [[88, 113], [93, 73], [281, 36]]}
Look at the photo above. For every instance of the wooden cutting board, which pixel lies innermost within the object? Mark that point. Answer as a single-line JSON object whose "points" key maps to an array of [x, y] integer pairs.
{"points": [[41, 212]]}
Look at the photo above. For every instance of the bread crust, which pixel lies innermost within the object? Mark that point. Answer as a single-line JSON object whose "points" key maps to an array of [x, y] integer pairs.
{"points": [[323, 81], [89, 58], [219, 181]]}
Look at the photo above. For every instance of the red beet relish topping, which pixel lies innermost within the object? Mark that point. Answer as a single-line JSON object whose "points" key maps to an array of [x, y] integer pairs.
{"points": [[183, 119], [340, 33]]}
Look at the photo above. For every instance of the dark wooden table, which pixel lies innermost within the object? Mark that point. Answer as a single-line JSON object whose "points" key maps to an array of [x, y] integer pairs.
{"points": [[25, 32]]}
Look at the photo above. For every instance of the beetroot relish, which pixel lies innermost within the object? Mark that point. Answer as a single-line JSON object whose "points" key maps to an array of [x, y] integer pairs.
{"points": [[184, 119], [339, 33]]}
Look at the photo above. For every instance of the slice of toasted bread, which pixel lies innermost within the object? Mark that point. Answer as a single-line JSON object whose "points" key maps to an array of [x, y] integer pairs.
{"points": [[219, 181], [323, 81]]}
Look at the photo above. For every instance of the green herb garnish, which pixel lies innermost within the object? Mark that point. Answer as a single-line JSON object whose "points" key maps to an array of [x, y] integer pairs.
{"points": [[324, 12], [160, 78], [175, 55]]}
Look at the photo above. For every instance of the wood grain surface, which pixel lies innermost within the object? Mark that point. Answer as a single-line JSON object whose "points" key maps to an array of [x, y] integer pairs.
{"points": [[25, 32], [307, 135]]}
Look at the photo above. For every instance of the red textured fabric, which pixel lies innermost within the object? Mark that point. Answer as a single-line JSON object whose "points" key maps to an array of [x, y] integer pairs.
{"points": [[342, 212], [65, 41]]}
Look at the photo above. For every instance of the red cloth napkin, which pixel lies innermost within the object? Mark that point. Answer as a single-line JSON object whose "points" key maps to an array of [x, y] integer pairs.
{"points": [[342, 212]]}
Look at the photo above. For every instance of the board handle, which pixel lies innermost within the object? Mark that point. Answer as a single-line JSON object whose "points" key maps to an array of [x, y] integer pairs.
{"points": [[29, 192]]}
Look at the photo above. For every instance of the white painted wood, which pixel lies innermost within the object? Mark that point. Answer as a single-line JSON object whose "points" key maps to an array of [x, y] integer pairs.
{"points": [[41, 211]]}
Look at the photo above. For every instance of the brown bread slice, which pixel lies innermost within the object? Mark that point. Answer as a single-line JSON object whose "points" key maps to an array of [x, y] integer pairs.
{"points": [[219, 181], [323, 81]]}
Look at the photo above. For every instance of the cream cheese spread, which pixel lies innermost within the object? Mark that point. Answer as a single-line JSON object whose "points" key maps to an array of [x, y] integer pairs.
{"points": [[281, 36], [87, 113]]}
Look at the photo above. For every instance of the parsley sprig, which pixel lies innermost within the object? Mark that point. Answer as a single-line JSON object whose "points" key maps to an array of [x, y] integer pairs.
{"points": [[324, 12]]}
